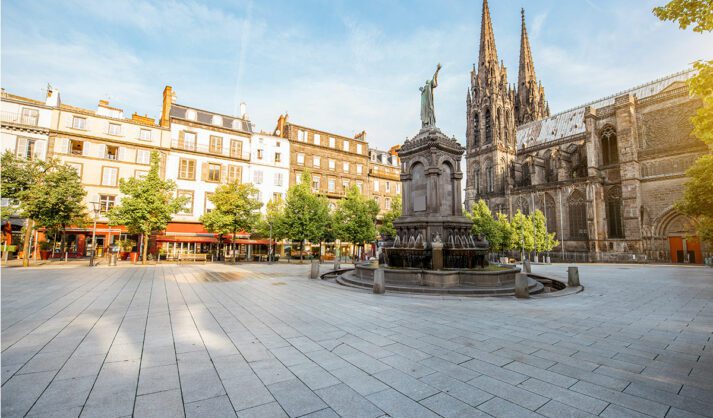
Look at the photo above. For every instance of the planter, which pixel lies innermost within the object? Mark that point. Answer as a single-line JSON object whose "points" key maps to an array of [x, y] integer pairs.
{"points": [[123, 255], [134, 257], [45, 255]]}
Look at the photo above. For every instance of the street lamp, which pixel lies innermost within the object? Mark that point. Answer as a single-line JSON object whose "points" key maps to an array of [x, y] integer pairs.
{"points": [[269, 250], [96, 207]]}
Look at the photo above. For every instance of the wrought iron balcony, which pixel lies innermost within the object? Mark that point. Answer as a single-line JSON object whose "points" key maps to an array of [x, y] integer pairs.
{"points": [[20, 119]]}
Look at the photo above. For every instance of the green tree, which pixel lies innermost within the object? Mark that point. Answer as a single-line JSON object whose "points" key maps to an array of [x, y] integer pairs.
{"points": [[274, 217], [237, 208], [386, 229], [306, 214], [355, 218], [697, 200], [544, 241], [508, 234], [522, 226], [485, 224], [56, 200], [148, 204]]}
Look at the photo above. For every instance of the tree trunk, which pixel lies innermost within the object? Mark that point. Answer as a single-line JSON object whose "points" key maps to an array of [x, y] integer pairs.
{"points": [[63, 246], [145, 249], [302, 251], [26, 243]]}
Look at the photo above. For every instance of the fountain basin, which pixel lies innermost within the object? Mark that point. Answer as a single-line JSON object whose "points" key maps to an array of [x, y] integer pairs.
{"points": [[489, 277]]}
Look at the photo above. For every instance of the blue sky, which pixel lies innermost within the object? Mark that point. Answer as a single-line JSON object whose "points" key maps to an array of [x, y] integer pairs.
{"points": [[341, 66]]}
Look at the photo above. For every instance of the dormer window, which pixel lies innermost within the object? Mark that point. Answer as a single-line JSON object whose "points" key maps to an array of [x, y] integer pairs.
{"points": [[236, 124], [217, 120], [114, 129], [191, 114]]}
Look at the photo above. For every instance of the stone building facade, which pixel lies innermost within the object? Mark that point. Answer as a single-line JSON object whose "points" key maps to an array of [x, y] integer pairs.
{"points": [[605, 174], [384, 178], [335, 162]]}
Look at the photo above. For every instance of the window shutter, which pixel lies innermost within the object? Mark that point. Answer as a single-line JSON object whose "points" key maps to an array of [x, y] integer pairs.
{"points": [[239, 174], [21, 149], [204, 171], [39, 152], [61, 145], [181, 139], [224, 173], [101, 151], [121, 154]]}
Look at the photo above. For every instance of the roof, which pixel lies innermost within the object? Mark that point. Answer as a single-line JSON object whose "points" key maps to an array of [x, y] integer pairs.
{"points": [[571, 122], [206, 117]]}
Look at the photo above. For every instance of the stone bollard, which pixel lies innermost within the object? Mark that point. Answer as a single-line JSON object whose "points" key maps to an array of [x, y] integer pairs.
{"points": [[573, 276], [547, 260], [521, 290], [379, 284], [336, 264], [437, 255], [526, 266], [373, 263], [314, 271]]}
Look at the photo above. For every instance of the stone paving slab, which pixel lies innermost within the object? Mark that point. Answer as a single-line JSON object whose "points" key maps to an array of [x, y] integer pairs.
{"points": [[257, 340]]}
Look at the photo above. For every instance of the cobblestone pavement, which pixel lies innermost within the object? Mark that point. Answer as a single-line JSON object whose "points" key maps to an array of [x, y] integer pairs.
{"points": [[263, 341]]}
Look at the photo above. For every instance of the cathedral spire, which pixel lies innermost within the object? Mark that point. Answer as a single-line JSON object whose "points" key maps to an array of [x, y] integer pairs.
{"points": [[488, 52], [530, 101]]}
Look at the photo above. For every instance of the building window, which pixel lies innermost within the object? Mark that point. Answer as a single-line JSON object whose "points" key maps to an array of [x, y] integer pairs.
{"points": [[387, 203], [488, 127], [143, 156], [317, 139], [577, 209], [79, 123], [300, 159], [359, 169], [278, 157], [110, 176], [145, 134], [257, 177], [345, 146], [217, 120], [345, 167], [106, 202], [213, 172], [301, 135], [316, 183], [523, 206], [114, 129], [376, 185], [76, 147], [378, 201], [208, 204], [610, 150], [236, 148], [613, 207], [187, 140], [30, 116], [387, 186], [398, 187], [476, 180], [216, 144], [345, 185], [332, 142], [360, 186], [550, 213], [77, 167], [25, 148], [278, 179], [111, 152], [332, 164], [186, 169], [234, 173], [489, 177], [316, 161], [191, 114], [331, 185], [187, 208], [358, 148]]}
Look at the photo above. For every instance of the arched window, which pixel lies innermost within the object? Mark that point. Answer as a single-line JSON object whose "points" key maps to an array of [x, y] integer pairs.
{"points": [[550, 212], [614, 221], [490, 186], [476, 130], [506, 127], [577, 209], [488, 127], [526, 178], [500, 124], [610, 150], [476, 179]]}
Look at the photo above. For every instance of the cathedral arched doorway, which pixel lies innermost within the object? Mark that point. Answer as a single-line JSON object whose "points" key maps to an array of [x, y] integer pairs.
{"points": [[680, 234]]}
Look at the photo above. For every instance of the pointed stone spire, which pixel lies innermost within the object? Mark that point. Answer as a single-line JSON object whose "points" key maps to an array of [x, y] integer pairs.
{"points": [[488, 52], [527, 66], [530, 101]]}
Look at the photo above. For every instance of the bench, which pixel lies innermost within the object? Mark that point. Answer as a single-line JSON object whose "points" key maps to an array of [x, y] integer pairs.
{"points": [[192, 257]]}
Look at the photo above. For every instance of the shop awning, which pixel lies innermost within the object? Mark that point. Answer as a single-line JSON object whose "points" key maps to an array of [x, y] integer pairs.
{"points": [[208, 240], [253, 241]]}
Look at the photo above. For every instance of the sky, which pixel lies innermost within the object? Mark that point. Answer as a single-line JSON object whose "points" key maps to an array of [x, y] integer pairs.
{"points": [[338, 66]]}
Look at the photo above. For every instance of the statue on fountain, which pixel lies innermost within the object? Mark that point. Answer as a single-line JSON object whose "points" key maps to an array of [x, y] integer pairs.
{"points": [[428, 114]]}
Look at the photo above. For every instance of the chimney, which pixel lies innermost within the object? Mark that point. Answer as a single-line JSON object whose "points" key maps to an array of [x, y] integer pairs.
{"points": [[52, 97], [244, 111], [169, 97]]}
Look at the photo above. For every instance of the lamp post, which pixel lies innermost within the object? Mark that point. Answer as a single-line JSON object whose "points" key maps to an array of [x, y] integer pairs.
{"points": [[522, 242], [269, 251], [96, 207]]}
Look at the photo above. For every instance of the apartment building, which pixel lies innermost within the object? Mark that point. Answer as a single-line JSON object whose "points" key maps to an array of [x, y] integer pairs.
{"points": [[102, 145], [384, 177], [269, 166], [335, 161]]}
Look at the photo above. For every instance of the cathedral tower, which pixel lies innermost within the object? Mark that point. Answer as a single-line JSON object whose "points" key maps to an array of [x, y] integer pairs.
{"points": [[530, 101], [490, 130]]}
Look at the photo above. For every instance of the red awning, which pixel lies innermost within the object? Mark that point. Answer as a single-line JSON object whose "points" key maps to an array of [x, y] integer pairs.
{"points": [[252, 241], [163, 238]]}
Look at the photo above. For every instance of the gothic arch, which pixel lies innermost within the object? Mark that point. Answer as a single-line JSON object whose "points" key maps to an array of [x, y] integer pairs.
{"points": [[609, 145], [414, 161], [671, 221], [577, 214], [613, 203]]}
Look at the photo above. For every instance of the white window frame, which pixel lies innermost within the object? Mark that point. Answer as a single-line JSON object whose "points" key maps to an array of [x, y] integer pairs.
{"points": [[300, 158], [111, 180]]}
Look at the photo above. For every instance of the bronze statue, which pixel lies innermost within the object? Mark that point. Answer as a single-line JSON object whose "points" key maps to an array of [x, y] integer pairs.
{"points": [[428, 115]]}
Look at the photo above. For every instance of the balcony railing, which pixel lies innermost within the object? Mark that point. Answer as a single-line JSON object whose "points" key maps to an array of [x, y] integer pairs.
{"points": [[225, 152], [19, 118]]}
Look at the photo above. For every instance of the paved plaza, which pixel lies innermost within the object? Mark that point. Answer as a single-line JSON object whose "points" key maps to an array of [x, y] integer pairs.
{"points": [[265, 341]]}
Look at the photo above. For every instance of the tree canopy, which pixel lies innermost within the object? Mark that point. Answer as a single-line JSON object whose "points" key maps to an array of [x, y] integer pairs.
{"points": [[237, 208], [148, 203], [305, 214], [386, 229], [355, 218]]}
